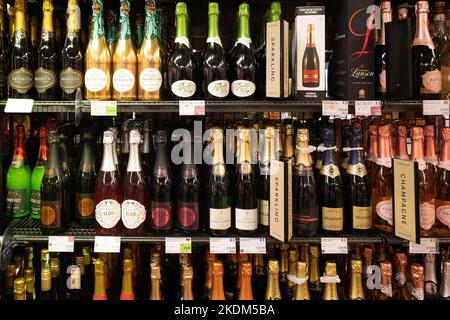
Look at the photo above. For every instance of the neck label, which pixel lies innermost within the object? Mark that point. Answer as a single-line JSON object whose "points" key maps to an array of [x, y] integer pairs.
{"points": [[246, 41], [214, 40], [183, 40]]}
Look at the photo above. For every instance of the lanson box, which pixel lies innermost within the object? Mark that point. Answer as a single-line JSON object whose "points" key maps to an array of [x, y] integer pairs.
{"points": [[352, 66]]}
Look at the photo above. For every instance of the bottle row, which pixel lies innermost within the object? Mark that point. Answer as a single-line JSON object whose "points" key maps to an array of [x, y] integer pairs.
{"points": [[285, 273], [342, 179], [121, 63]]}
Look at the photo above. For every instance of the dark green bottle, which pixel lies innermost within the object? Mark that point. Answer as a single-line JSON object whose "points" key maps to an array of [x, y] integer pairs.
{"points": [[52, 210], [66, 172]]}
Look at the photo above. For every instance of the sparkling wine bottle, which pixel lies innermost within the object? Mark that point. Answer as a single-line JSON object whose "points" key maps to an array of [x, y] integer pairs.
{"points": [[443, 187], [38, 174]]}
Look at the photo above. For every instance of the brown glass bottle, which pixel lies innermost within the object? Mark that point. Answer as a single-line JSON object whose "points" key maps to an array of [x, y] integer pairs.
{"points": [[245, 292], [417, 290], [443, 188], [385, 292], [211, 257], [400, 291], [217, 292]]}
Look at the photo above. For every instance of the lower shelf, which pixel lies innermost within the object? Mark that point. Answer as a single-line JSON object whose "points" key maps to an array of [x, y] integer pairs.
{"points": [[27, 230]]}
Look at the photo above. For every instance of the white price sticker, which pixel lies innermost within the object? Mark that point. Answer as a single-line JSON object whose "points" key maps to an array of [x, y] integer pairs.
{"points": [[252, 245], [61, 243], [427, 245], [107, 244], [104, 108], [192, 107], [368, 108], [178, 245], [222, 245], [334, 108], [19, 105], [334, 245], [436, 108]]}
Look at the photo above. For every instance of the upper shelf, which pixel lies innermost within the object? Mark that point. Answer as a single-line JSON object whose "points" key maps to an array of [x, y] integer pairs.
{"points": [[227, 106]]}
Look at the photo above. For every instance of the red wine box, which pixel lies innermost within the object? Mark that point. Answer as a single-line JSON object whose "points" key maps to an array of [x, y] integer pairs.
{"points": [[352, 67], [308, 49], [277, 59]]}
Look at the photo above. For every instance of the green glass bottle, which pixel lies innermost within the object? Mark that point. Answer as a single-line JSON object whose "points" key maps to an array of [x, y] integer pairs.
{"points": [[52, 216], [38, 174], [18, 179]]}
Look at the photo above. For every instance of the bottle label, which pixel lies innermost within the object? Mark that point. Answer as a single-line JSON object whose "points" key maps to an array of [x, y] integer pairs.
{"points": [[150, 79], [246, 41], [246, 219], [214, 40], [333, 219], [387, 289], [107, 213], [51, 213], [85, 205], [184, 88], [133, 214], [123, 80], [331, 170], [219, 88], [70, 80], [16, 201], [384, 211], [243, 88], [263, 209], [386, 162], [161, 215], [95, 79], [443, 212], [35, 202], [220, 219], [183, 40], [358, 169], [427, 215], [418, 293], [44, 79], [21, 80], [431, 81], [311, 76], [188, 215], [362, 218]]}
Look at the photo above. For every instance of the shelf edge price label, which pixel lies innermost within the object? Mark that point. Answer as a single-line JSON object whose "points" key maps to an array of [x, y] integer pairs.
{"points": [[191, 107], [427, 245], [61, 243], [252, 245], [107, 244], [19, 105], [178, 245], [368, 108], [334, 108], [222, 245], [436, 108], [334, 245], [104, 108]]}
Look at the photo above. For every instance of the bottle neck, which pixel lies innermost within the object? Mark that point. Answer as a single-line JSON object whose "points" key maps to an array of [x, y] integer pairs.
{"points": [[288, 147], [108, 159], [127, 286], [43, 152], [422, 36], [244, 152], [373, 150], [146, 144], [72, 19], [273, 287], [401, 151], [417, 153], [430, 150], [47, 21], [182, 27], [53, 157], [356, 156], [444, 290], [99, 287], [445, 151], [356, 289], [217, 156], [46, 284], [386, 17], [86, 163], [155, 293], [330, 292], [125, 28], [134, 161], [439, 23], [217, 292], [19, 157], [303, 159], [310, 43], [245, 293], [151, 26], [314, 274], [384, 150], [19, 22], [244, 27], [430, 271], [213, 26], [98, 27], [160, 169], [187, 290]]}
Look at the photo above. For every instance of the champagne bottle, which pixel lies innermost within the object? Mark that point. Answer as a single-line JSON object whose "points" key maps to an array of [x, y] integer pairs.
{"points": [[47, 292], [443, 187], [134, 205], [100, 280], [314, 284], [66, 172], [155, 276], [127, 292], [400, 146], [74, 284], [10, 273], [148, 155], [89, 271], [305, 207], [371, 160], [242, 59], [150, 57], [29, 284], [330, 291], [301, 290], [246, 212], [20, 78], [310, 62], [97, 61], [292, 271], [217, 292], [57, 285], [215, 67], [187, 278], [356, 291], [181, 72], [111, 30], [268, 155], [417, 290], [125, 148], [400, 290], [444, 291], [218, 189], [430, 279], [19, 289], [259, 278], [124, 59], [45, 79], [242, 257], [385, 292], [108, 191], [38, 174], [4, 54], [71, 75], [430, 152], [207, 290], [245, 292], [380, 50], [284, 268], [273, 284]]}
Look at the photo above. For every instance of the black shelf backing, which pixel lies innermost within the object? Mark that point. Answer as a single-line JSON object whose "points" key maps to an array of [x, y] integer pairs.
{"points": [[218, 106], [27, 230]]}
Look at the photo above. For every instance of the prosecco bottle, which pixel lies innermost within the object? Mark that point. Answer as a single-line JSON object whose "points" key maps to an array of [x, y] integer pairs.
{"points": [[218, 189], [38, 174], [242, 60], [45, 79], [161, 208], [53, 217], [182, 70], [108, 191], [134, 205], [332, 189], [85, 182], [215, 79], [20, 78], [71, 75]]}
